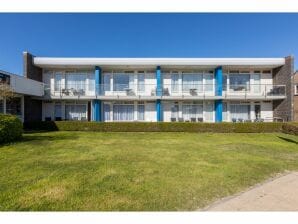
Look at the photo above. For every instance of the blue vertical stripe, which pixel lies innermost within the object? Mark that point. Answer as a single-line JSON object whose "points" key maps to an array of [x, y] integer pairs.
{"points": [[96, 108], [97, 80], [218, 110], [158, 81], [158, 110], [218, 81]]}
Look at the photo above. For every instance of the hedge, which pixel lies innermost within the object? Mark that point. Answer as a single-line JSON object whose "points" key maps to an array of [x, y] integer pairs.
{"points": [[11, 128], [290, 128], [154, 127]]}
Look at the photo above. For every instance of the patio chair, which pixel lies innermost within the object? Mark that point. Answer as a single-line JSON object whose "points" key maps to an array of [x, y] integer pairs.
{"points": [[166, 92], [247, 121], [240, 120], [173, 119], [181, 119], [193, 119], [234, 120], [200, 119]]}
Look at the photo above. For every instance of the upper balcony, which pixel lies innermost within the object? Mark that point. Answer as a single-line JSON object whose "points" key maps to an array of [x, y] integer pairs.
{"points": [[170, 92]]}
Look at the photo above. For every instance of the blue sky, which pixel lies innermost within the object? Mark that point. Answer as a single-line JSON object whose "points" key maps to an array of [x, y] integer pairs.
{"points": [[146, 35]]}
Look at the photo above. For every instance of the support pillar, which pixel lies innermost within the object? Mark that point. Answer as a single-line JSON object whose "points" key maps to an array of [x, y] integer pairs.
{"points": [[98, 79], [158, 110], [218, 92], [96, 110], [158, 81]]}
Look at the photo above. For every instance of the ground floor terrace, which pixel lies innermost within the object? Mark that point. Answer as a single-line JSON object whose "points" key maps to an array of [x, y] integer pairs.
{"points": [[160, 110]]}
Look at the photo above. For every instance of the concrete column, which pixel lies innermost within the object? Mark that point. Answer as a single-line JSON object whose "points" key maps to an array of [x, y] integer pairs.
{"points": [[218, 92], [98, 79], [96, 110], [158, 81], [218, 110], [158, 110]]}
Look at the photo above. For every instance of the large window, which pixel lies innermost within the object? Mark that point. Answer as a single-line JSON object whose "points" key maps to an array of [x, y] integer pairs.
{"points": [[209, 111], [225, 111], [58, 112], [123, 81], [175, 111], [75, 112], [58, 81], [239, 82], [192, 111], [175, 82], [75, 81], [208, 82], [141, 81], [141, 112], [107, 82], [123, 112], [240, 111], [192, 81], [256, 77], [106, 112]]}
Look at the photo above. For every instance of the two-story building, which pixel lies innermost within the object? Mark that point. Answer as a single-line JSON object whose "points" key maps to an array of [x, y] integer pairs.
{"points": [[162, 89]]}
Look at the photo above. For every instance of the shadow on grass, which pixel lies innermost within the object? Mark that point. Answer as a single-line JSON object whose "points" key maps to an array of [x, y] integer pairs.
{"points": [[48, 138], [288, 140]]}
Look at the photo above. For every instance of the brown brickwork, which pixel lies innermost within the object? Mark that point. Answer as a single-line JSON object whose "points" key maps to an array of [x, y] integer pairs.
{"points": [[33, 107], [282, 76], [30, 70]]}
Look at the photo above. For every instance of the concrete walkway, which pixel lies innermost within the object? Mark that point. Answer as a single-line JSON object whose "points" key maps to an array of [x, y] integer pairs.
{"points": [[278, 194]]}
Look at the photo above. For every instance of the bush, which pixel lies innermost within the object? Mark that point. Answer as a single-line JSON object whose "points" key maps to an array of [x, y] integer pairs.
{"points": [[290, 128], [11, 128], [154, 127]]}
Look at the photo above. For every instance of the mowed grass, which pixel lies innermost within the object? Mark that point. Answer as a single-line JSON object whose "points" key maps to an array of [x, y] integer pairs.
{"points": [[137, 171]]}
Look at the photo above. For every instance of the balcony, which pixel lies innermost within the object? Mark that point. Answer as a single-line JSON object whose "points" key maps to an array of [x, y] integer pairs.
{"points": [[151, 91]]}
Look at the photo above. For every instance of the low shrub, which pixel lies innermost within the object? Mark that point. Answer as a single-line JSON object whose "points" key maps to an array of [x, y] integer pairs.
{"points": [[11, 128], [290, 128], [154, 127]]}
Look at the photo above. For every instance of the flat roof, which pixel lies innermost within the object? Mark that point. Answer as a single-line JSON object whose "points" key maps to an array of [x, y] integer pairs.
{"points": [[44, 62]]}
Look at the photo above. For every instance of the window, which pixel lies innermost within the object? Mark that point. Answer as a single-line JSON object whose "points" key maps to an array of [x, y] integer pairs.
{"points": [[75, 112], [239, 82], [107, 81], [106, 112], [141, 112], [224, 111], [123, 112], [208, 82], [58, 81], [175, 82], [75, 81], [58, 112], [1, 106], [224, 82], [296, 89], [192, 81], [91, 82], [141, 82], [192, 111], [256, 77], [240, 111], [175, 111], [123, 81], [209, 108]]}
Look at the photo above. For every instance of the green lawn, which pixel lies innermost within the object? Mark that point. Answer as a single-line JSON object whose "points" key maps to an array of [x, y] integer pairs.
{"points": [[137, 171]]}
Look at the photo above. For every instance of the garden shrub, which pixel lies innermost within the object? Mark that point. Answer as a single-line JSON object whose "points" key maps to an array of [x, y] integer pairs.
{"points": [[154, 127], [11, 128], [290, 128]]}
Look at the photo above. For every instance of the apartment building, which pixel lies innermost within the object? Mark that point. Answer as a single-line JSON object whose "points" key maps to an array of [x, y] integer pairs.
{"points": [[15, 90], [161, 89]]}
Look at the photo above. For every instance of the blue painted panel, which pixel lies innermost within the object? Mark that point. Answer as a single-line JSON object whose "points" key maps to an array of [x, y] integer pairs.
{"points": [[218, 81], [158, 110], [218, 110], [96, 108], [158, 81], [97, 79]]}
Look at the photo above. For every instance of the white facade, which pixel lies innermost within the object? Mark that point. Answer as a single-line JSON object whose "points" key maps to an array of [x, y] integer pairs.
{"points": [[184, 89]]}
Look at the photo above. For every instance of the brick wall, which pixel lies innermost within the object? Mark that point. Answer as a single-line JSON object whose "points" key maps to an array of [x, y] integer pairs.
{"points": [[282, 76], [32, 107], [30, 70]]}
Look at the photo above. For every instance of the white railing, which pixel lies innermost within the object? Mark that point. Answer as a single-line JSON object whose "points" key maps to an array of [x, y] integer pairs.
{"points": [[152, 90]]}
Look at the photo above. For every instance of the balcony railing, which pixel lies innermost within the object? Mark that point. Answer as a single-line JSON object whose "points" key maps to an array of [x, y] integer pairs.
{"points": [[166, 90]]}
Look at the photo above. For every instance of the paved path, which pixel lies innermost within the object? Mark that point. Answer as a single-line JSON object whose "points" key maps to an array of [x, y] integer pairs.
{"points": [[279, 194]]}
